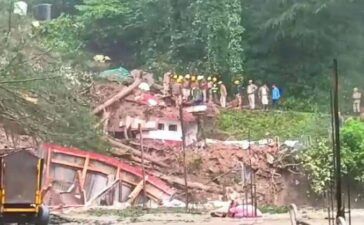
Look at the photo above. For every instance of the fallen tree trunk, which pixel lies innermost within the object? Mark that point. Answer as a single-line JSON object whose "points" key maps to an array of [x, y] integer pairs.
{"points": [[176, 180], [122, 149], [118, 96], [157, 86]]}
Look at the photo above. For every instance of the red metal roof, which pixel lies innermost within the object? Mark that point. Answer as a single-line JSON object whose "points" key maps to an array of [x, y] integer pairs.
{"points": [[110, 161]]}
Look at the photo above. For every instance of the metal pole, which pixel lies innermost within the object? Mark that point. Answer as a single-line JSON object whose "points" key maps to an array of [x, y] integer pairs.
{"points": [[142, 158], [333, 129], [184, 152], [332, 172], [349, 200], [328, 206], [340, 208], [251, 172], [11, 7]]}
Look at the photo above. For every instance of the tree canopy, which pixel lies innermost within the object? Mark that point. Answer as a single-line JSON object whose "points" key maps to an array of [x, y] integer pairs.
{"points": [[41, 95], [291, 43]]}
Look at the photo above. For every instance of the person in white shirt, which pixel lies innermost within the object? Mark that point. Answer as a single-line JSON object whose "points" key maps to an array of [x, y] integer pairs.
{"points": [[263, 95], [252, 88], [356, 100]]}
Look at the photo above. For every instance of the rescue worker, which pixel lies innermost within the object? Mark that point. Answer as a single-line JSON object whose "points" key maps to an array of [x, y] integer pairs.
{"points": [[263, 96], [176, 91], [175, 77], [276, 95], [193, 78], [186, 88], [214, 93], [167, 83], [252, 88], [356, 101], [203, 86], [239, 93], [223, 94], [214, 80], [197, 96]]}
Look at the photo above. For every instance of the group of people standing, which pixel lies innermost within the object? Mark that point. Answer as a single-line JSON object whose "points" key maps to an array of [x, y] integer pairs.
{"points": [[253, 91], [200, 90]]}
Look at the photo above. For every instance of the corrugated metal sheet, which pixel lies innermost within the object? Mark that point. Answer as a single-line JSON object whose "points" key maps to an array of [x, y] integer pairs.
{"points": [[63, 177], [94, 184]]}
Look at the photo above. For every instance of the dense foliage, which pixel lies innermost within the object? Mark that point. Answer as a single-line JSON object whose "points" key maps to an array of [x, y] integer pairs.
{"points": [[291, 43], [317, 160], [42, 96], [353, 149]]}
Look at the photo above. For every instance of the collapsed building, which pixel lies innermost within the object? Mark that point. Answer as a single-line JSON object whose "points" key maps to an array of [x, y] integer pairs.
{"points": [[132, 121]]}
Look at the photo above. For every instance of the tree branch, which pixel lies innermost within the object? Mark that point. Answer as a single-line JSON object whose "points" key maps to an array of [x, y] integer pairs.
{"points": [[29, 80]]}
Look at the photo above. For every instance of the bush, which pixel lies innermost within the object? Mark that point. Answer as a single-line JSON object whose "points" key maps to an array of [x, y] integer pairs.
{"points": [[353, 149], [317, 159], [269, 124]]}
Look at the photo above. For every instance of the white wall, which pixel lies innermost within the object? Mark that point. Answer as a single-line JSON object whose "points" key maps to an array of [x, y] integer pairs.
{"points": [[167, 135]]}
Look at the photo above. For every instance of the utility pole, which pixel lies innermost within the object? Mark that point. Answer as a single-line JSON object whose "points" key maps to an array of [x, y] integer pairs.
{"points": [[340, 207], [184, 152], [11, 9]]}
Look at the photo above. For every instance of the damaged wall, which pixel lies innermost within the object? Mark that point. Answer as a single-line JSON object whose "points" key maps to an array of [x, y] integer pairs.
{"points": [[171, 131]]}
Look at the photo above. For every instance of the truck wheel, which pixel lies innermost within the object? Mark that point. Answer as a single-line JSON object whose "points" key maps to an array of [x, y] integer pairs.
{"points": [[43, 216]]}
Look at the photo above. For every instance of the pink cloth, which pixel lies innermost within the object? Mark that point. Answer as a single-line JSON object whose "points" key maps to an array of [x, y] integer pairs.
{"points": [[148, 98], [243, 211]]}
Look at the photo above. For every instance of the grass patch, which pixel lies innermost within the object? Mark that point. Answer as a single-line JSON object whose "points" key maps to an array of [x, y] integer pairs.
{"points": [[135, 212], [285, 125], [273, 209]]}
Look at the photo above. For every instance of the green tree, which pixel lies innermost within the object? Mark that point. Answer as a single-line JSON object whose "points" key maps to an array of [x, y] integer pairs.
{"points": [[41, 96], [293, 43]]}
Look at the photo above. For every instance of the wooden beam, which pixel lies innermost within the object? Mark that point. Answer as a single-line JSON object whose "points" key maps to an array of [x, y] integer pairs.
{"points": [[79, 184], [49, 158], [134, 194], [122, 149], [180, 181], [63, 163], [118, 96], [84, 170]]}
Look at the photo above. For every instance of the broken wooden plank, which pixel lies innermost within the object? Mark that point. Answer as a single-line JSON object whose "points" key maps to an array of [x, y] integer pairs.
{"points": [[134, 194], [122, 149], [72, 165], [84, 170], [180, 181], [118, 96], [48, 167]]}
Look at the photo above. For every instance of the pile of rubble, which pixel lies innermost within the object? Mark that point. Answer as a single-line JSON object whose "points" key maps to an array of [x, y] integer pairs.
{"points": [[212, 168], [149, 136]]}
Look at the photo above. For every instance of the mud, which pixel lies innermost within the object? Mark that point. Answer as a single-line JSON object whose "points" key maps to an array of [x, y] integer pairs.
{"points": [[314, 217]]}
